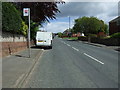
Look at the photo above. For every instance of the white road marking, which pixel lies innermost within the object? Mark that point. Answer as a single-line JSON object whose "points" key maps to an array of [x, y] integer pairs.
{"points": [[64, 43], [68, 45], [94, 58], [75, 48]]}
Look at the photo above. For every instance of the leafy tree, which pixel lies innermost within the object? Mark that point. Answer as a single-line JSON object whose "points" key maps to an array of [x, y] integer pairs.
{"points": [[89, 25], [40, 11], [60, 34], [33, 29], [106, 29]]}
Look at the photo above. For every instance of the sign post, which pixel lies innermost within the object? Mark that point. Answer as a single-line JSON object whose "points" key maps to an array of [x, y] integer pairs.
{"points": [[26, 12]]}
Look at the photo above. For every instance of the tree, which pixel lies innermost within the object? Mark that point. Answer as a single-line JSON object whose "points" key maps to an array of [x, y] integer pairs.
{"points": [[60, 34], [106, 29], [34, 28], [89, 25], [40, 11]]}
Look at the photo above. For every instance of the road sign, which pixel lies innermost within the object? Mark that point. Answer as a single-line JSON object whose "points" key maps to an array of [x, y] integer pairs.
{"points": [[25, 11]]}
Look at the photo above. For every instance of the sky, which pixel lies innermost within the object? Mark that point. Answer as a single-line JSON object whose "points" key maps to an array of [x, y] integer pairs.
{"points": [[105, 11]]}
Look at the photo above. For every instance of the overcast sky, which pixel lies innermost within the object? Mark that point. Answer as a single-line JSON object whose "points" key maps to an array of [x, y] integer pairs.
{"points": [[105, 11]]}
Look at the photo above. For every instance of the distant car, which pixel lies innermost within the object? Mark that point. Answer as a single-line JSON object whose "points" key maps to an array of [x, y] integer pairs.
{"points": [[44, 39]]}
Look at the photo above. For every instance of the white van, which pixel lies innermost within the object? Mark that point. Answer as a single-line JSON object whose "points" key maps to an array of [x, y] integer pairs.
{"points": [[44, 39]]}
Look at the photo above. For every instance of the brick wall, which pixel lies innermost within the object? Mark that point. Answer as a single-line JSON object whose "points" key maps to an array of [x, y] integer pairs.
{"points": [[12, 43], [9, 48]]}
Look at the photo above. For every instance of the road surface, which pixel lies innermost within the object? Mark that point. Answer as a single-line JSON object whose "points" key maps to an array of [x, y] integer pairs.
{"points": [[73, 64]]}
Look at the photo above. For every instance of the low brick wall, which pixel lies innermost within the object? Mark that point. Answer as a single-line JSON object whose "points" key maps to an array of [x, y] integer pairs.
{"points": [[9, 48], [12, 43]]}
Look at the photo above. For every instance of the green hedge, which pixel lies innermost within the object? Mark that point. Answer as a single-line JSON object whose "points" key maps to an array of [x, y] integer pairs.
{"points": [[115, 35], [11, 18], [83, 38], [107, 41]]}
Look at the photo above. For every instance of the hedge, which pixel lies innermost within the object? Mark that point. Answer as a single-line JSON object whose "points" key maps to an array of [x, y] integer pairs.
{"points": [[11, 18], [107, 41]]}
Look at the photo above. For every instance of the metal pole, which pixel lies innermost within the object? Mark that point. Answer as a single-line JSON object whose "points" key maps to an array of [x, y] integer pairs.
{"points": [[29, 35], [69, 23], [69, 26]]}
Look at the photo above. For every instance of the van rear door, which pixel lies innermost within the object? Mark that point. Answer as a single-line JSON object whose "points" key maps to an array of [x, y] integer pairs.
{"points": [[40, 38], [47, 38]]}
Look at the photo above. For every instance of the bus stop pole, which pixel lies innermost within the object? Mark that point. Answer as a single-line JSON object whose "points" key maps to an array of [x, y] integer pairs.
{"points": [[29, 36]]}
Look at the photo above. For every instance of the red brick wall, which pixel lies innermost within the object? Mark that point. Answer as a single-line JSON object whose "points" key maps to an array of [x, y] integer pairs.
{"points": [[9, 48], [101, 34]]}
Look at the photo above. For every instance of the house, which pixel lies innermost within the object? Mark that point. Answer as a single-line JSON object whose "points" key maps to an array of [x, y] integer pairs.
{"points": [[114, 26], [78, 34], [66, 32]]}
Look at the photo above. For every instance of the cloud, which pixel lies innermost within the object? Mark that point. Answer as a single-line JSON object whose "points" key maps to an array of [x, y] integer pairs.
{"points": [[88, 9], [105, 11], [56, 27]]}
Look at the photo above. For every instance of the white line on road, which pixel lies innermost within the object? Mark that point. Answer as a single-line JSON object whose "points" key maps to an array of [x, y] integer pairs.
{"points": [[75, 48], [68, 45], [93, 58], [64, 43]]}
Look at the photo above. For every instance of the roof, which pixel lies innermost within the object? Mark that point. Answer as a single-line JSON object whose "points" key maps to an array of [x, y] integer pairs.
{"points": [[115, 20]]}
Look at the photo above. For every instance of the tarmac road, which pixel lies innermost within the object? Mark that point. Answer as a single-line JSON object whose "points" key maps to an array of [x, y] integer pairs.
{"points": [[73, 64]]}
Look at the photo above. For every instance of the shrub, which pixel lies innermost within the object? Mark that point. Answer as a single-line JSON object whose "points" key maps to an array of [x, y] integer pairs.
{"points": [[24, 28], [92, 35], [83, 38], [115, 35], [11, 18]]}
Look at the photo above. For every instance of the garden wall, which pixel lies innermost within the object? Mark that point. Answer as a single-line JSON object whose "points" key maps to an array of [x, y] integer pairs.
{"points": [[12, 43]]}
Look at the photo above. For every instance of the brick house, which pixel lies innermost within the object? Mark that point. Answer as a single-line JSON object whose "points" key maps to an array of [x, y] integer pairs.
{"points": [[114, 26]]}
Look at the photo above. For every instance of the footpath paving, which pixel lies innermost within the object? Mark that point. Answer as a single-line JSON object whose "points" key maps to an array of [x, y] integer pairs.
{"points": [[16, 68]]}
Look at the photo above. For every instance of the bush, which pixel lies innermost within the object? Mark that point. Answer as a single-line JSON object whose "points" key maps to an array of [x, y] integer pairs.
{"points": [[11, 18], [24, 28], [60, 34], [92, 35], [115, 35], [83, 38]]}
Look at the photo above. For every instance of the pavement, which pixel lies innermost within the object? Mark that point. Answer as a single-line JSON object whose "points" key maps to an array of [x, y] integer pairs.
{"points": [[16, 68]]}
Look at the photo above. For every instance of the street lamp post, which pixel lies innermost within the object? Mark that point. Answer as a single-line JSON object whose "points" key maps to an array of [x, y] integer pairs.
{"points": [[69, 23], [69, 26]]}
